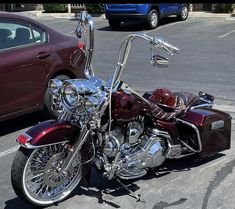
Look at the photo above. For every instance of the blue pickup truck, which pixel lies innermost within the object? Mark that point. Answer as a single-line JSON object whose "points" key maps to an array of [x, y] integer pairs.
{"points": [[150, 14]]}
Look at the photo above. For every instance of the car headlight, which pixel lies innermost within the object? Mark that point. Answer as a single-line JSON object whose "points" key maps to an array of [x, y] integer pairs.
{"points": [[70, 96], [54, 86]]}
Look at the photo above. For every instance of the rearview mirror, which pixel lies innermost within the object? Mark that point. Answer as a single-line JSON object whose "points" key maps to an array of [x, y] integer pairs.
{"points": [[159, 60], [78, 32]]}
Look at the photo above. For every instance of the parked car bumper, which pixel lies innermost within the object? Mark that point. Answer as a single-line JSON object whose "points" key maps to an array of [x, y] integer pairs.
{"points": [[126, 17]]}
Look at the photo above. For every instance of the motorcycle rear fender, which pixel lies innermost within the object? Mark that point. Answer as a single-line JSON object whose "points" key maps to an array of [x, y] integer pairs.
{"points": [[47, 133]]}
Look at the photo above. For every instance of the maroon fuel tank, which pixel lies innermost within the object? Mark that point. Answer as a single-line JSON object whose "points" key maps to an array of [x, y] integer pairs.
{"points": [[127, 106]]}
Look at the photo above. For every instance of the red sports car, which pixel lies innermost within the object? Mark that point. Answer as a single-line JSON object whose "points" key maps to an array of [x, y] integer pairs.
{"points": [[31, 53]]}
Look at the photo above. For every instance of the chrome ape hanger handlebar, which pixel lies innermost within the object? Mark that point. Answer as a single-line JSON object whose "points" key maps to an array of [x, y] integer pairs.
{"points": [[155, 58], [85, 21]]}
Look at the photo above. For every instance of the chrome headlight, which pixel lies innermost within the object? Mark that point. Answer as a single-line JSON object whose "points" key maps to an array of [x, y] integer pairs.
{"points": [[54, 86], [91, 104], [70, 96]]}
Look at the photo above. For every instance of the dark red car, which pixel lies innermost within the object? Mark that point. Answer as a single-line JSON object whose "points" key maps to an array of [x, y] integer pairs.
{"points": [[31, 53]]}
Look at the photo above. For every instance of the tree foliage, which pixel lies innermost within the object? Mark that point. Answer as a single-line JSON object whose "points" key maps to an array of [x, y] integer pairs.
{"points": [[54, 8], [95, 8], [225, 8]]}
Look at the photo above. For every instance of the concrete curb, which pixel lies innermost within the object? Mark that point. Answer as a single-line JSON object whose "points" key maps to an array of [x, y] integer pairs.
{"points": [[72, 16], [102, 16], [208, 14]]}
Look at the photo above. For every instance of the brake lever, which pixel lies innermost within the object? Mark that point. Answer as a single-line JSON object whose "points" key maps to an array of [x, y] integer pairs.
{"points": [[170, 49], [167, 50]]}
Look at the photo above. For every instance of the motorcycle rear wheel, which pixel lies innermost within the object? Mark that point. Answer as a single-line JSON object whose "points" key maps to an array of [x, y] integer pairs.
{"points": [[36, 176]]}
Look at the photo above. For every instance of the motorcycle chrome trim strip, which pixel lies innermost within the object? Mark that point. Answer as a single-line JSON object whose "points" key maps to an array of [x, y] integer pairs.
{"points": [[30, 146], [201, 105], [197, 132]]}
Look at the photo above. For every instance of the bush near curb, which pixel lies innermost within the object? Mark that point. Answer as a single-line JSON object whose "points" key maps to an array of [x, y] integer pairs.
{"points": [[225, 8], [95, 8], [57, 8]]}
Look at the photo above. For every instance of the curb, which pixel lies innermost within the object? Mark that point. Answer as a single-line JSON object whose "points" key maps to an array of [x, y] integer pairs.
{"points": [[102, 16], [208, 14]]}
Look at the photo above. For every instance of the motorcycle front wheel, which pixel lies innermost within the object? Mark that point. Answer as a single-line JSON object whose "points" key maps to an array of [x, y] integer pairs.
{"points": [[37, 178]]}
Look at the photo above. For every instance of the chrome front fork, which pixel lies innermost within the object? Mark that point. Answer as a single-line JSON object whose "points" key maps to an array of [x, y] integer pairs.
{"points": [[85, 131]]}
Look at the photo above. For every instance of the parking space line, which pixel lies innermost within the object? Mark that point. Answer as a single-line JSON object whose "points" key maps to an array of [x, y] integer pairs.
{"points": [[161, 27], [226, 34], [9, 151]]}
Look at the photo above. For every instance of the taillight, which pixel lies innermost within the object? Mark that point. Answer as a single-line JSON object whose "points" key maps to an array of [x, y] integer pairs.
{"points": [[23, 138], [81, 45]]}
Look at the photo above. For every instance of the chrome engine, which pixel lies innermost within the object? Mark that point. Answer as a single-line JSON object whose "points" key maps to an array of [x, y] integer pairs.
{"points": [[136, 151]]}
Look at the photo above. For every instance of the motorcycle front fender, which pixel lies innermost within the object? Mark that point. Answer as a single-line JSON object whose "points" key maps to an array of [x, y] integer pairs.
{"points": [[47, 133]]}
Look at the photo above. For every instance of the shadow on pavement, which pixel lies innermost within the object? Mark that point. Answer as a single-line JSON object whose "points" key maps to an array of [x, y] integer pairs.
{"points": [[137, 26], [17, 203], [100, 186], [184, 164], [21, 122]]}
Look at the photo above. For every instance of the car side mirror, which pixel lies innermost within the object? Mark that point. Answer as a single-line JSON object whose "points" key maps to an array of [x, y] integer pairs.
{"points": [[159, 60]]}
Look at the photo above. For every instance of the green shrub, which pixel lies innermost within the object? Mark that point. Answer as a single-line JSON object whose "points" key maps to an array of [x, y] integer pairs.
{"points": [[54, 8], [225, 8], [95, 8]]}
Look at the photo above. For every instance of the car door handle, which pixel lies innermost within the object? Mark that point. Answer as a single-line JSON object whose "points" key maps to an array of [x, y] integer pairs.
{"points": [[43, 55]]}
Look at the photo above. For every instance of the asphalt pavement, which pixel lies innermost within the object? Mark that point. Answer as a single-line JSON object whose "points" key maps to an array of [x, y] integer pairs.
{"points": [[205, 62]]}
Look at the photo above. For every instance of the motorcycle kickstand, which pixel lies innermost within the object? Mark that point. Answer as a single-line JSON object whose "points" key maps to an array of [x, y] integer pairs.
{"points": [[132, 194]]}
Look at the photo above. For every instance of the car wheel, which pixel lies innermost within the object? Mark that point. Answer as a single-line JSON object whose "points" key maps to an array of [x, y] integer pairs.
{"points": [[48, 99], [153, 18], [183, 13], [115, 24]]}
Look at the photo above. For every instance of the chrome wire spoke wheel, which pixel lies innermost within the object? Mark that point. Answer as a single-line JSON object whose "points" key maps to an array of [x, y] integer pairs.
{"points": [[44, 182]]}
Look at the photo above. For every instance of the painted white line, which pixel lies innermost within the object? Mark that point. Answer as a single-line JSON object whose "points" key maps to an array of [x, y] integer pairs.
{"points": [[226, 34], [163, 26], [176, 179], [9, 151]]}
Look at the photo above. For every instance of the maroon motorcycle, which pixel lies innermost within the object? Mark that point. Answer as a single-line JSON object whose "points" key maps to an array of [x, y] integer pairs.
{"points": [[111, 127]]}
